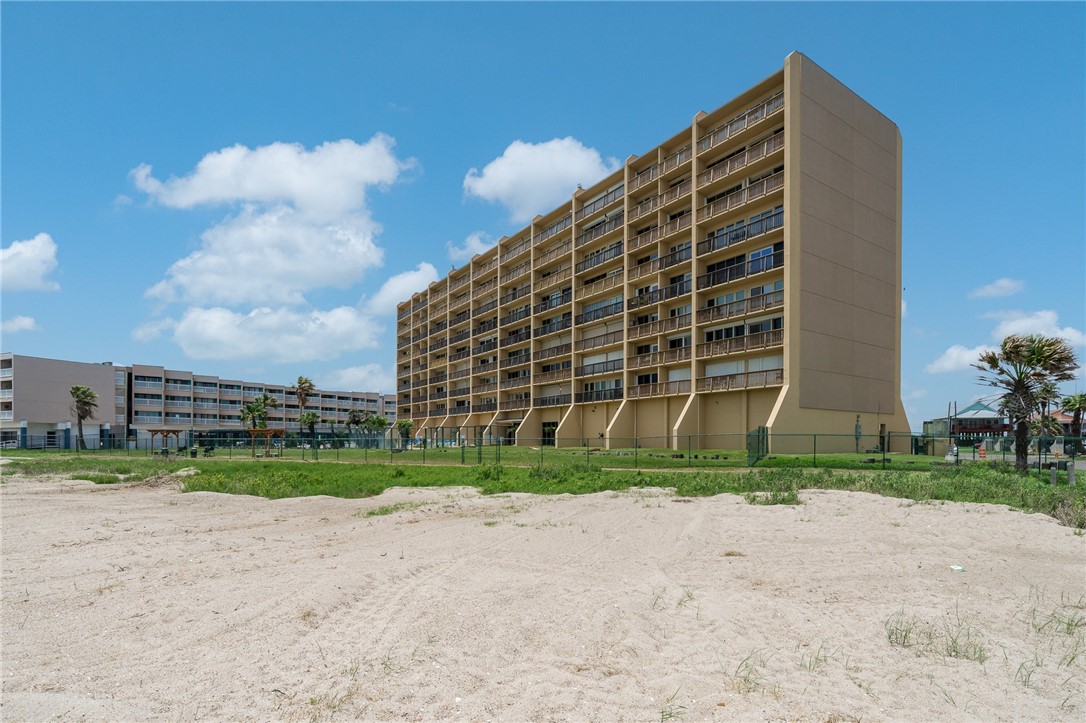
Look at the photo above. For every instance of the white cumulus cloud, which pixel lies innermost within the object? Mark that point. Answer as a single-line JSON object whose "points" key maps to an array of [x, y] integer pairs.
{"points": [[152, 330], [532, 178], [364, 378], [276, 335], [999, 287], [1045, 322], [956, 358], [25, 264], [19, 323], [400, 287], [475, 243]]}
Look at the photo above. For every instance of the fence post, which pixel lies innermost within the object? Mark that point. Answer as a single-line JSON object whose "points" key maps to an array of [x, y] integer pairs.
{"points": [[462, 454], [689, 459], [540, 452], [814, 450], [635, 454]]}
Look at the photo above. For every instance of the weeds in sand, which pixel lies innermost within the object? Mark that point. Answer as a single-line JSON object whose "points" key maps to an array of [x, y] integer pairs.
{"points": [[491, 523], [671, 711], [391, 509], [906, 632], [953, 639], [812, 660], [389, 664], [749, 674], [687, 596], [733, 553], [658, 597], [1026, 669], [773, 497]]}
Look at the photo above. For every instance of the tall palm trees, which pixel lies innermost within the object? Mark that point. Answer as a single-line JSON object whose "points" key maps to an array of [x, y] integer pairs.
{"points": [[1075, 405], [303, 389], [1022, 369], [84, 404]]}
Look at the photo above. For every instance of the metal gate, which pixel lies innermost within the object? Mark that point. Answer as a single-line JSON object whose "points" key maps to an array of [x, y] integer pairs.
{"points": [[757, 445]]}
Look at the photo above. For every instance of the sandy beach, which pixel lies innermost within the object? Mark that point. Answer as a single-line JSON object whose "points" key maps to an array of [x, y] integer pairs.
{"points": [[142, 603]]}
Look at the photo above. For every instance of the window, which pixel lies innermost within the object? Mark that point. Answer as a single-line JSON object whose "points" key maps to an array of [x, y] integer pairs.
{"points": [[724, 332], [678, 342], [679, 311], [648, 378]]}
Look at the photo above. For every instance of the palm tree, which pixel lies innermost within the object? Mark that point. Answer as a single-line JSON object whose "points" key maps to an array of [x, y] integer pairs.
{"points": [[84, 405], [309, 420], [1021, 368], [355, 418], [1075, 405], [404, 426], [303, 389], [375, 423]]}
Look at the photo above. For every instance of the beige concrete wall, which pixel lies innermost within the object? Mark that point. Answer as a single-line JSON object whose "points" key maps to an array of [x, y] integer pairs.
{"points": [[41, 391]]}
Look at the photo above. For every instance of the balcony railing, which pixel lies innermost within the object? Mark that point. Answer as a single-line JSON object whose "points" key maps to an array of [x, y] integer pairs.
{"points": [[742, 380], [603, 367], [514, 404], [488, 306], [459, 283], [735, 345], [485, 268], [437, 411], [485, 347], [522, 313], [601, 313], [741, 308], [486, 407], [460, 300], [520, 336], [553, 400], [597, 231], [515, 294], [484, 368], [741, 160], [609, 282], [661, 389], [656, 358], [599, 257], [460, 355], [593, 342], [458, 374], [516, 382], [755, 266], [517, 249], [516, 272], [662, 326], [676, 192], [599, 395], [460, 392], [644, 208], [655, 297], [644, 177], [680, 224], [556, 277], [554, 253], [515, 361], [554, 376], [737, 198], [676, 159], [553, 326], [433, 396], [728, 238], [439, 344], [553, 302], [552, 352], [644, 239], [599, 204], [676, 257], [460, 318], [484, 287], [555, 228], [741, 122], [485, 327]]}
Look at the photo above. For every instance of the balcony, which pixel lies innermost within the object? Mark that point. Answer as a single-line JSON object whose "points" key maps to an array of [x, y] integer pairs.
{"points": [[644, 208], [175, 387], [644, 239], [551, 327], [442, 376], [459, 283], [515, 294], [601, 313], [596, 287], [485, 327], [553, 302], [676, 192], [554, 376], [460, 300], [730, 237], [594, 342], [437, 346], [434, 396], [599, 257], [514, 361], [488, 306], [655, 297], [545, 282], [460, 318], [755, 153], [485, 347], [599, 395], [460, 336], [142, 384], [662, 389], [662, 326], [737, 198], [554, 351], [676, 257], [460, 355], [520, 336], [742, 380], [9, 393], [553, 254], [459, 392], [516, 250], [552, 401], [738, 344], [437, 411], [649, 267], [676, 159], [680, 224], [484, 268], [741, 122], [481, 388], [644, 177], [516, 272], [604, 367], [740, 308], [486, 407], [483, 288], [722, 276], [597, 231], [599, 204], [515, 404], [554, 229], [420, 304], [657, 358]]}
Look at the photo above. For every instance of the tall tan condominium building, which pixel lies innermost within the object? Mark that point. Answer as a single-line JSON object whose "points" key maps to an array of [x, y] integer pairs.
{"points": [[35, 401], [744, 273]]}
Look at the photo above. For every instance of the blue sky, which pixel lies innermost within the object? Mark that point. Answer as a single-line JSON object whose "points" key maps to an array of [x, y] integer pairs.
{"points": [[246, 189]]}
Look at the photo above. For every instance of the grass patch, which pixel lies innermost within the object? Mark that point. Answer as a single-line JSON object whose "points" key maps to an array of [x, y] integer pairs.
{"points": [[392, 509]]}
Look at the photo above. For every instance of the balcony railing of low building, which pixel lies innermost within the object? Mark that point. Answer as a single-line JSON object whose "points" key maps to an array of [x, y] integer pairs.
{"points": [[599, 230], [552, 352], [599, 257], [659, 389], [645, 207], [516, 272], [516, 360], [485, 268], [515, 294], [587, 370], [553, 302], [656, 358], [661, 326], [594, 342], [609, 282], [488, 306], [599, 395], [601, 313], [510, 404], [558, 251], [742, 380], [552, 327], [485, 347], [552, 400], [521, 381], [553, 376], [740, 196], [644, 238], [555, 228], [599, 204], [520, 336], [645, 176], [741, 122], [741, 160], [676, 159], [735, 345], [556, 277], [741, 308]]}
